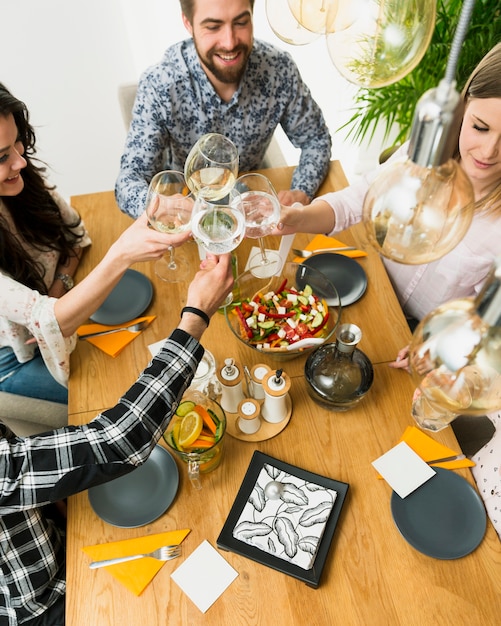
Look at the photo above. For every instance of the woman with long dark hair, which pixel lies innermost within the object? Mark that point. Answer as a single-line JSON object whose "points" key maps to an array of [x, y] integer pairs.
{"points": [[41, 241]]}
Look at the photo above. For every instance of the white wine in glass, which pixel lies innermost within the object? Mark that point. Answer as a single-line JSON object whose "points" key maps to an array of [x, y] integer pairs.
{"points": [[169, 207], [212, 166], [219, 226], [262, 213]]}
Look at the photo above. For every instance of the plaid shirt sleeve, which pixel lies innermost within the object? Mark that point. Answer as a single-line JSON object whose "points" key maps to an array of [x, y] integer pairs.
{"points": [[37, 470]]}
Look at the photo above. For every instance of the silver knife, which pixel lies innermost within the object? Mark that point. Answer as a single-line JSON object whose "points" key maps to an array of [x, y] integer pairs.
{"points": [[456, 457]]}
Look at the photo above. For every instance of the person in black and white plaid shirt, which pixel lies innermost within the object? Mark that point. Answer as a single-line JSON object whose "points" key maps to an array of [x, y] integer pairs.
{"points": [[40, 470]]}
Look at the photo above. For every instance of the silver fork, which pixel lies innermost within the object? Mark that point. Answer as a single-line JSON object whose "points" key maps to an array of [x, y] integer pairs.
{"points": [[133, 328], [304, 254], [165, 553]]}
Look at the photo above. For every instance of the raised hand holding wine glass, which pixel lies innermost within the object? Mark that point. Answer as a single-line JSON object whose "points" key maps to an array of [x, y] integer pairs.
{"points": [[169, 207]]}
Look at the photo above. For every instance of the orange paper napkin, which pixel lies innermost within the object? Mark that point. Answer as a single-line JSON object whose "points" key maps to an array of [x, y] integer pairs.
{"points": [[114, 343], [321, 241], [137, 574], [429, 449]]}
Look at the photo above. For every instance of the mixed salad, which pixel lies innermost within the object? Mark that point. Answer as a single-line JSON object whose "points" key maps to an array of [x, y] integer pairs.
{"points": [[278, 319]]}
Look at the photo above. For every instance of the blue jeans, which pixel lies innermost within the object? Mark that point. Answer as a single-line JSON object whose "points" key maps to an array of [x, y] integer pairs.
{"points": [[31, 379]]}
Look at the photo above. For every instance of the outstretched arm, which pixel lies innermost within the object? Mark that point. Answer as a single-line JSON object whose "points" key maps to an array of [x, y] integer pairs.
{"points": [[137, 243]]}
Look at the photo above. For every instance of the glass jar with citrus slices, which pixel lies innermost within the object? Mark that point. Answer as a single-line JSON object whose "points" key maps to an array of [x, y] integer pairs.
{"points": [[195, 434]]}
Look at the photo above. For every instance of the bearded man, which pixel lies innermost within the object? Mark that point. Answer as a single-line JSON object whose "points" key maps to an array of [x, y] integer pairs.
{"points": [[221, 80]]}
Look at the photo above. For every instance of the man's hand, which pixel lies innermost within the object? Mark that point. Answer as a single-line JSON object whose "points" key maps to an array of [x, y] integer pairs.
{"points": [[207, 291]]}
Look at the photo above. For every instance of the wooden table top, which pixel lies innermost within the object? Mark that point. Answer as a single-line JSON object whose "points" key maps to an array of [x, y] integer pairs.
{"points": [[372, 575]]}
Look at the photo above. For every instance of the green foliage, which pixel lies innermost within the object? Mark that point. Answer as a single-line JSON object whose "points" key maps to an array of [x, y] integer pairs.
{"points": [[395, 104]]}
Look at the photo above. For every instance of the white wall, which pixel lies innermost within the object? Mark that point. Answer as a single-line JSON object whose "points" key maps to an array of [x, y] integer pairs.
{"points": [[65, 59]]}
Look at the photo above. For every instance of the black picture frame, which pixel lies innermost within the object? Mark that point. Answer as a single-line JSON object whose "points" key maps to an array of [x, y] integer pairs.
{"points": [[226, 541]]}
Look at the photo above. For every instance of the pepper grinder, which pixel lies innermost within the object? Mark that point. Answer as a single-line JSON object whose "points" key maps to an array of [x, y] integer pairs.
{"points": [[276, 385], [230, 376]]}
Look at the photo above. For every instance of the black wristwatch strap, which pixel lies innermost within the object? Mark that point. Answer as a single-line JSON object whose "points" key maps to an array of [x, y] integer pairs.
{"points": [[192, 309]]}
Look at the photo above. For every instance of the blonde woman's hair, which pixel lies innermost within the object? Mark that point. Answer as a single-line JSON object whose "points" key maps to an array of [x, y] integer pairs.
{"points": [[485, 82]]}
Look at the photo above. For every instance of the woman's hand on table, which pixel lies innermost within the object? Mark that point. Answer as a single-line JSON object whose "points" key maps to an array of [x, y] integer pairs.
{"points": [[402, 360]]}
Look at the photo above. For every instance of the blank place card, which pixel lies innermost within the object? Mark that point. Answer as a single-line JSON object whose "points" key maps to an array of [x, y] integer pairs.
{"points": [[403, 469], [204, 576]]}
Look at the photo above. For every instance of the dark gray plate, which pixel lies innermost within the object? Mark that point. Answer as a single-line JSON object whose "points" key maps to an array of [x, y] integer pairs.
{"points": [[444, 518], [128, 300], [140, 497], [347, 276]]}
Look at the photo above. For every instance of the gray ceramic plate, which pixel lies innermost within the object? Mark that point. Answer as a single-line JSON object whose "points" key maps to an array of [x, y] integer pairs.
{"points": [[128, 300], [347, 276], [444, 518], [140, 497]]}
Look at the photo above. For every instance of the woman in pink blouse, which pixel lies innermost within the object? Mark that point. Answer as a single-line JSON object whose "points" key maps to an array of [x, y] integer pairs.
{"points": [[461, 272], [41, 240]]}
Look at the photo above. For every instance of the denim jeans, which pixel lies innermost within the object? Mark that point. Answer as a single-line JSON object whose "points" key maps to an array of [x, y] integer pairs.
{"points": [[31, 379]]}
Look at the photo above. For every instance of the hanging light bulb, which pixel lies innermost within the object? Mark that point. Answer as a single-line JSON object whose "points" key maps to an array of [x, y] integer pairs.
{"points": [[285, 26], [316, 16], [455, 358], [419, 209], [384, 44]]}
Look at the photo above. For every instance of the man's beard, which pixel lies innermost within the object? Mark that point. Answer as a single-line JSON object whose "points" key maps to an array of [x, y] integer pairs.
{"points": [[227, 75]]}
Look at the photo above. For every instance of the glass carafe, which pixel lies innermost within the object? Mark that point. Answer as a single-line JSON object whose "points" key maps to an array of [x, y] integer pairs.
{"points": [[339, 375]]}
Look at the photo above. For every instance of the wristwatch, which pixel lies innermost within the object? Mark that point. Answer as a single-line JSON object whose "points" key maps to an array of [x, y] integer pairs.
{"points": [[67, 281]]}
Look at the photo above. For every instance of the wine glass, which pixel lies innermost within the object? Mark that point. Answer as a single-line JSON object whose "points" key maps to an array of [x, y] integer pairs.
{"points": [[262, 213], [169, 206], [211, 166], [219, 225]]}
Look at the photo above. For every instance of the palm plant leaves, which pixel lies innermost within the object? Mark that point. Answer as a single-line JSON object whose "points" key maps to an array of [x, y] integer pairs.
{"points": [[393, 106]]}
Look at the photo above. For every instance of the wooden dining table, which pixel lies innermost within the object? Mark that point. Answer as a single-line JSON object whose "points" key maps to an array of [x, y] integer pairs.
{"points": [[371, 574]]}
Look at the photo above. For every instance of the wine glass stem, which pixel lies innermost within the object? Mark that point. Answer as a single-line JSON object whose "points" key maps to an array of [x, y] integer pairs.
{"points": [[171, 262], [264, 258]]}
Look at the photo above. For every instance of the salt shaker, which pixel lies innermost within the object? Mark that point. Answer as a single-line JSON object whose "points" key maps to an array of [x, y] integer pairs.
{"points": [[249, 416], [276, 385], [257, 374], [230, 376]]}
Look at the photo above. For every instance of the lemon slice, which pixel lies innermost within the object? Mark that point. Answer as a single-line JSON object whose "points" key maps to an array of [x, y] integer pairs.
{"points": [[191, 427]]}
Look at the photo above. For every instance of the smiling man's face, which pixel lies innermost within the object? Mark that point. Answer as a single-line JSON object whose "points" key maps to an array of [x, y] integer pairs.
{"points": [[223, 35]]}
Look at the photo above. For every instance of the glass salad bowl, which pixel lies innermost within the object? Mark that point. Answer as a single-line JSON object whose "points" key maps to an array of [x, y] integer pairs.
{"points": [[284, 316]]}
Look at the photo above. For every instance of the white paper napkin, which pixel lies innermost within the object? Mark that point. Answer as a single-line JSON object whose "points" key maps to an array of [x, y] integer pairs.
{"points": [[204, 576], [291, 526], [403, 469]]}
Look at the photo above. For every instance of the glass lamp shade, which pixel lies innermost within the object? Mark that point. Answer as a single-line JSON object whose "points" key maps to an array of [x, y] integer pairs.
{"points": [[385, 43], [324, 16], [455, 359], [415, 214], [285, 26]]}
